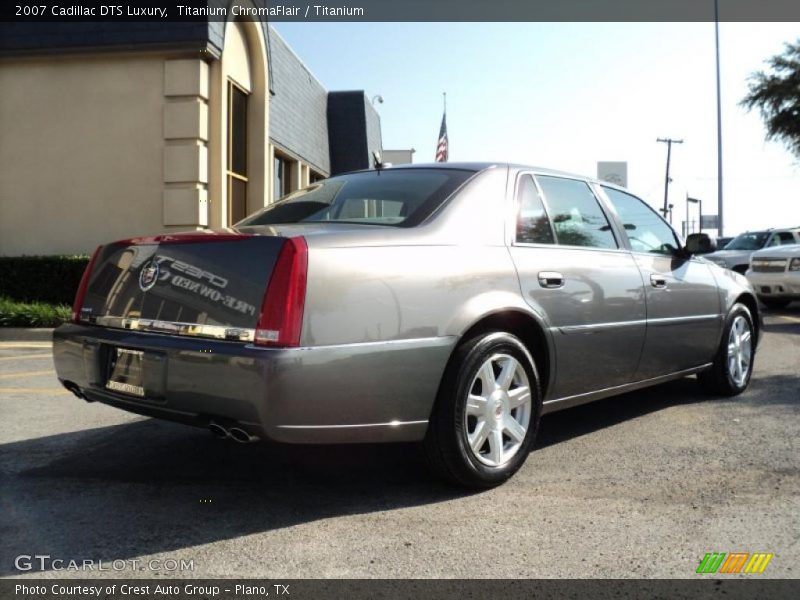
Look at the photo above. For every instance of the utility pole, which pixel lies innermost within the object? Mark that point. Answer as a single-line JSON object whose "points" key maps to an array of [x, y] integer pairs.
{"points": [[668, 142]]}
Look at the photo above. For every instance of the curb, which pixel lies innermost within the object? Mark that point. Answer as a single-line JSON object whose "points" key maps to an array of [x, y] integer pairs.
{"points": [[28, 334]]}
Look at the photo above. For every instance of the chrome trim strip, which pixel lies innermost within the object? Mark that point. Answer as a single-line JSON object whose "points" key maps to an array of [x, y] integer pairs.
{"points": [[237, 334], [691, 318], [219, 332], [390, 424], [594, 327], [578, 399], [442, 340]]}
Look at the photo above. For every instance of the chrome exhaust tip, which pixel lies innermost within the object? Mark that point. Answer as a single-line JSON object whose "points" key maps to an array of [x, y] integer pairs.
{"points": [[76, 391], [218, 430], [241, 436]]}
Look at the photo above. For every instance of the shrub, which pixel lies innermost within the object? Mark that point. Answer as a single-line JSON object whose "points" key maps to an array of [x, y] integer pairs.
{"points": [[49, 279], [32, 314]]}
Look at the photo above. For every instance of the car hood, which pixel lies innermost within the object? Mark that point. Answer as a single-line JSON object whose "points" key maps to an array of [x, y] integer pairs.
{"points": [[729, 256], [790, 250]]}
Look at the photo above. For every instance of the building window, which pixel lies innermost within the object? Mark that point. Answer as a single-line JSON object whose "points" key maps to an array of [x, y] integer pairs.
{"points": [[282, 179], [237, 153], [314, 177]]}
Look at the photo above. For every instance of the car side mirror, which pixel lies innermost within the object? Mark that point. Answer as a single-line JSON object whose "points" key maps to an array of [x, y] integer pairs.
{"points": [[700, 243]]}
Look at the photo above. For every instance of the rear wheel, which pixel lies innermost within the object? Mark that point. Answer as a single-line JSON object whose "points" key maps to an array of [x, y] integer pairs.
{"points": [[487, 413], [775, 302], [733, 364]]}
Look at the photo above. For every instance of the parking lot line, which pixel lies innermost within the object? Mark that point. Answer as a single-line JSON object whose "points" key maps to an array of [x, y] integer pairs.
{"points": [[26, 356], [53, 390], [4, 345], [792, 319], [27, 374]]}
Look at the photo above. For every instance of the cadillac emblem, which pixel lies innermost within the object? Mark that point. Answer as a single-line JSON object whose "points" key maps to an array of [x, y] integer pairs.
{"points": [[148, 275]]}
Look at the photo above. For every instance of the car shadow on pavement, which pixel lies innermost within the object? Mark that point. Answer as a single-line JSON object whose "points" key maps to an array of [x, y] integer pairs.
{"points": [[586, 419], [785, 320], [149, 487]]}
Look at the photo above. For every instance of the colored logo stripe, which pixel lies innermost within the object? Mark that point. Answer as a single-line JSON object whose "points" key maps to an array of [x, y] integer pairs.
{"points": [[714, 562], [711, 562], [758, 562], [734, 563]]}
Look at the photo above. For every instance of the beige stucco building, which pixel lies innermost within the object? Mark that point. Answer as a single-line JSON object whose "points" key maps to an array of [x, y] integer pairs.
{"points": [[108, 133]]}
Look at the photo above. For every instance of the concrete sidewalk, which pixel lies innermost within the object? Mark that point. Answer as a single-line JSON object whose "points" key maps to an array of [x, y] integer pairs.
{"points": [[28, 334]]}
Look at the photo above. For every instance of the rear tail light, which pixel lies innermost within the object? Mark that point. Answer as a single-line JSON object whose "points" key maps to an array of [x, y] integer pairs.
{"points": [[284, 301], [84, 284]]}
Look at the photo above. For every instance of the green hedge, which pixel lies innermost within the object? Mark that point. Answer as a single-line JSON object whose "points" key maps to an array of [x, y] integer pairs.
{"points": [[32, 314], [49, 279]]}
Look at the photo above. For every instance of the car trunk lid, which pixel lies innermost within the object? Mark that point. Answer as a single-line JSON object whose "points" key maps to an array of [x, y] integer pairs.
{"points": [[206, 284]]}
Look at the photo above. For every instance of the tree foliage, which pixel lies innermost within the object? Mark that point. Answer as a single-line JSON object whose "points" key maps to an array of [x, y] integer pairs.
{"points": [[776, 94]]}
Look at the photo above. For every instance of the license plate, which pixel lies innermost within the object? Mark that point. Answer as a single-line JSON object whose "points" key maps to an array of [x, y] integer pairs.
{"points": [[125, 373]]}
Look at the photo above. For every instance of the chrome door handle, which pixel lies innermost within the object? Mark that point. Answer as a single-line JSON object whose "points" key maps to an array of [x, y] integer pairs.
{"points": [[658, 281], [551, 279]]}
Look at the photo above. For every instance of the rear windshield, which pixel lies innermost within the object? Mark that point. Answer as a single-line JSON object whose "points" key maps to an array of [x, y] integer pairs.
{"points": [[748, 241], [399, 198]]}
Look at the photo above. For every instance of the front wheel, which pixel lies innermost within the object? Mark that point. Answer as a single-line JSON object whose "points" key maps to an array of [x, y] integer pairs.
{"points": [[486, 415], [733, 364]]}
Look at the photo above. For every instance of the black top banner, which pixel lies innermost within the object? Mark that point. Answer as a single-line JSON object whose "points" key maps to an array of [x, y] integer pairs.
{"points": [[402, 10]]}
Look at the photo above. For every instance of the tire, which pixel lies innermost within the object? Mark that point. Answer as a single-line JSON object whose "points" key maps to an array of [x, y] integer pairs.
{"points": [[741, 269], [482, 396], [733, 364], [775, 302]]}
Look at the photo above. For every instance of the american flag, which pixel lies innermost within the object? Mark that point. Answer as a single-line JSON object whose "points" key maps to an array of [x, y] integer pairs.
{"points": [[441, 147]]}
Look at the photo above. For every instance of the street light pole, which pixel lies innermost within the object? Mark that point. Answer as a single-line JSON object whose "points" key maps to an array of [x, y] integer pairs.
{"points": [[686, 223], [700, 214], [668, 142], [719, 123]]}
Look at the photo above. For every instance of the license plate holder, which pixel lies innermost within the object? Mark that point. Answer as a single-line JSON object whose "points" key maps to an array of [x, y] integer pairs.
{"points": [[126, 372]]}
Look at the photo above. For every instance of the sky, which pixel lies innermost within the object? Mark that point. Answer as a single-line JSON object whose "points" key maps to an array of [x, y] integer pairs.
{"points": [[567, 95]]}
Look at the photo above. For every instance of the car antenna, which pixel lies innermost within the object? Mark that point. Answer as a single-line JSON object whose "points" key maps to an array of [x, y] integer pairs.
{"points": [[377, 163]]}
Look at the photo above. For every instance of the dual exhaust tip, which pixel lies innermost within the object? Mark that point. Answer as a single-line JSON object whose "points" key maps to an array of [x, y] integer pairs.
{"points": [[237, 434], [73, 387]]}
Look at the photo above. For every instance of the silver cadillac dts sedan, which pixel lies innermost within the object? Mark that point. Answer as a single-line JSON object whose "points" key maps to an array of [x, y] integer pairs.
{"points": [[452, 304]]}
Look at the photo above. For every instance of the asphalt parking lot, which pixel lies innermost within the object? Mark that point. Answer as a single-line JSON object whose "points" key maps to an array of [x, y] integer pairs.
{"points": [[641, 485]]}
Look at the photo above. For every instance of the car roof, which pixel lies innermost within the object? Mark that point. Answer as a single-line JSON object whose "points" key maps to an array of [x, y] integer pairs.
{"points": [[771, 230], [477, 166]]}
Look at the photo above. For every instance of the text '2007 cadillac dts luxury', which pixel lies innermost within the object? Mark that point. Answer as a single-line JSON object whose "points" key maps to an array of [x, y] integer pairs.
{"points": [[452, 304]]}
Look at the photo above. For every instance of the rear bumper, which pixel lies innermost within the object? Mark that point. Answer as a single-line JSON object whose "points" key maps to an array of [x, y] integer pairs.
{"points": [[784, 284], [366, 392]]}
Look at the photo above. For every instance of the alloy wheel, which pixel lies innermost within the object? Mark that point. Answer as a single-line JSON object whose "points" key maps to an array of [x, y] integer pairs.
{"points": [[740, 350], [498, 411]]}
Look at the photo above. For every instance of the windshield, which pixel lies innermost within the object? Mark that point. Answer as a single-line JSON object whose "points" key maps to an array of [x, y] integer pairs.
{"points": [[748, 241], [401, 198]]}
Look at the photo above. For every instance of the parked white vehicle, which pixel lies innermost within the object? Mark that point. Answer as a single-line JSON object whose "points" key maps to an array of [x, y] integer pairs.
{"points": [[736, 254], [775, 275]]}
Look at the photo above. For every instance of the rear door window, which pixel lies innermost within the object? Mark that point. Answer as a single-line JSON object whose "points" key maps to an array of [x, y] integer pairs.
{"points": [[533, 224], [575, 213]]}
